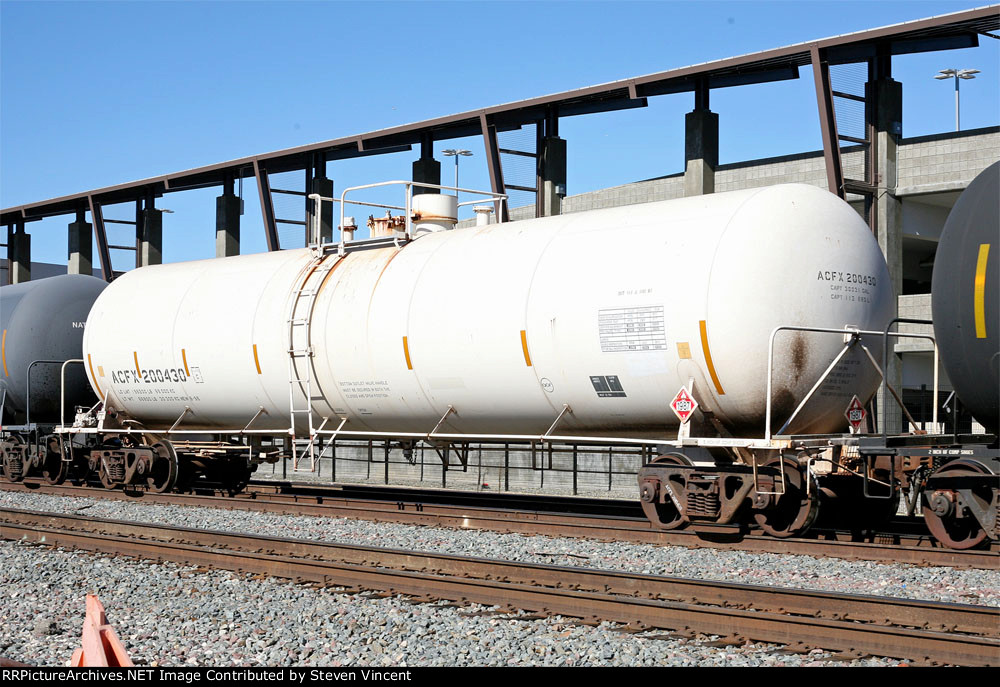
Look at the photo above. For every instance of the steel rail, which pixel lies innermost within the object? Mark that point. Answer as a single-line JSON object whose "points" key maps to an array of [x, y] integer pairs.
{"points": [[915, 549], [931, 632]]}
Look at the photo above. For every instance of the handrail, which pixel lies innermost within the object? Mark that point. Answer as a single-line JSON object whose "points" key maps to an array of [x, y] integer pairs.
{"points": [[27, 384], [855, 335], [62, 389], [407, 208], [885, 356]]}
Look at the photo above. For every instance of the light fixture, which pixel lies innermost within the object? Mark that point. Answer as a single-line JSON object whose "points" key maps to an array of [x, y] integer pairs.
{"points": [[956, 74], [455, 152]]}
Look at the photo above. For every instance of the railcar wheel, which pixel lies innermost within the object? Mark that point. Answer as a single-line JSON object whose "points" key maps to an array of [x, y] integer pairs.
{"points": [[792, 513], [942, 513], [666, 515], [163, 473], [105, 478], [54, 468]]}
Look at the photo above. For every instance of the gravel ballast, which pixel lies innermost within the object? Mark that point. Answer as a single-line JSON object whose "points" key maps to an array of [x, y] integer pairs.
{"points": [[171, 615], [217, 617]]}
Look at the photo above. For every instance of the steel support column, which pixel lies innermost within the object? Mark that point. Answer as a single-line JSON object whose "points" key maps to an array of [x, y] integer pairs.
{"points": [[149, 250], [884, 101], [266, 206], [80, 243], [10, 233], [18, 254], [827, 122], [97, 217], [227, 221], [140, 220], [426, 169], [551, 167], [701, 144], [308, 188], [317, 182], [493, 162]]}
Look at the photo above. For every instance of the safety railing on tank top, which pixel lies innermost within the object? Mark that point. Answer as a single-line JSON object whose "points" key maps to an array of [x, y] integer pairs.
{"points": [[407, 209]]}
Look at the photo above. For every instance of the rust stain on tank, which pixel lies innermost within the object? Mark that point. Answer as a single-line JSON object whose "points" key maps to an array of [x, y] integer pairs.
{"points": [[800, 354], [781, 408], [330, 273], [391, 258]]}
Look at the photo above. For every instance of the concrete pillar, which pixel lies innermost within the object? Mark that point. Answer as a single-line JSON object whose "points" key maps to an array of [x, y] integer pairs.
{"points": [[887, 97], [553, 175], [227, 222], [81, 246], [324, 187], [701, 151], [151, 239], [18, 255], [426, 169]]}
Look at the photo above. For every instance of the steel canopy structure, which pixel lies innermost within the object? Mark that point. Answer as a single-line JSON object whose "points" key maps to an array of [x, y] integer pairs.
{"points": [[874, 47]]}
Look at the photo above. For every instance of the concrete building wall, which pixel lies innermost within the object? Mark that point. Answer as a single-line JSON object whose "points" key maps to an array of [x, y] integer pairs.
{"points": [[923, 221], [947, 158], [39, 270], [953, 159]]}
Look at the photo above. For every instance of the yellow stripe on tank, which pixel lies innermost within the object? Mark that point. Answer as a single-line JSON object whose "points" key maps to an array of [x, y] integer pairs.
{"points": [[90, 364], [524, 347], [406, 352], [708, 357], [3, 353], [979, 291], [256, 360]]}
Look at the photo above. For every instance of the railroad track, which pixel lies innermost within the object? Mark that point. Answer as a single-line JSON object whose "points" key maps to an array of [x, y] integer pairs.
{"points": [[419, 507], [928, 632]]}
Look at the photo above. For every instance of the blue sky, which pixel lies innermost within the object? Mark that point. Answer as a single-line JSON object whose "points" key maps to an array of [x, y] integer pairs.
{"points": [[99, 93]]}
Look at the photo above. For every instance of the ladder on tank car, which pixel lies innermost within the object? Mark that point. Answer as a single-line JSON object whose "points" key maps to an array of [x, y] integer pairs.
{"points": [[300, 349]]}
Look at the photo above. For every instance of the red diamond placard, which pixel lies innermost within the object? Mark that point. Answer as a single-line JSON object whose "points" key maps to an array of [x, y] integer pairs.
{"points": [[683, 405], [855, 414]]}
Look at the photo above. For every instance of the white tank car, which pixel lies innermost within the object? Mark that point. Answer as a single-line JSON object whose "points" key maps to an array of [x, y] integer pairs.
{"points": [[609, 312]]}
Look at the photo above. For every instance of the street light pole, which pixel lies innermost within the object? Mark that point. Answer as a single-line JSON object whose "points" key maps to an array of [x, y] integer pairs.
{"points": [[956, 74], [453, 152]]}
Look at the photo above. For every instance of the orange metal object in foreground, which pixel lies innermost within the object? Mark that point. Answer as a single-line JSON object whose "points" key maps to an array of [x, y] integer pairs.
{"points": [[101, 646]]}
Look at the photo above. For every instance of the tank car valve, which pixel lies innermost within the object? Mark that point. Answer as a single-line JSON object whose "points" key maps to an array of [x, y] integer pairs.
{"points": [[348, 228]]}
